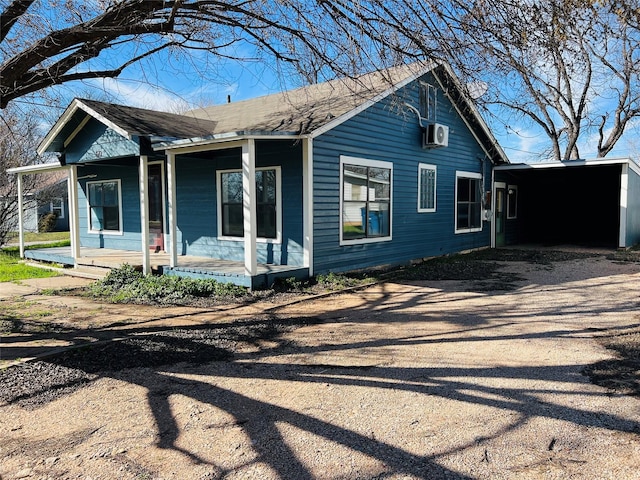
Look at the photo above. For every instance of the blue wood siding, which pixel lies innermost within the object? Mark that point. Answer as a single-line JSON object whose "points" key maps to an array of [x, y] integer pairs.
{"points": [[98, 142], [388, 132], [197, 203], [633, 210], [127, 173]]}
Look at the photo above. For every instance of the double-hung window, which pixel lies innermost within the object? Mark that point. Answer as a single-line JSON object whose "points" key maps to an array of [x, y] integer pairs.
{"points": [[426, 188], [56, 205], [366, 200], [468, 202], [428, 101], [105, 208], [231, 211]]}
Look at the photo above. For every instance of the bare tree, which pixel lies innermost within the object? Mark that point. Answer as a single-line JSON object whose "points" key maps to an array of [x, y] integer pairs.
{"points": [[45, 43], [569, 66], [18, 142]]}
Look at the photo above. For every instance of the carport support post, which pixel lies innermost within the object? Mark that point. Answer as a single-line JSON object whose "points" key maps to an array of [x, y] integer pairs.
{"points": [[144, 213], [249, 206], [171, 193], [20, 217]]}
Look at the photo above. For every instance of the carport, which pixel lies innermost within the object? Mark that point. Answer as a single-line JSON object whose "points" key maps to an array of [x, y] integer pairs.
{"points": [[583, 202]]}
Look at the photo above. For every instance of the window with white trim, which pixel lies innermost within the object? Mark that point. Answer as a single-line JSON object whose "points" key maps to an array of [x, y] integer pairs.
{"points": [[56, 205], [426, 188], [105, 207], [512, 202], [365, 208], [230, 208], [428, 101], [468, 202]]}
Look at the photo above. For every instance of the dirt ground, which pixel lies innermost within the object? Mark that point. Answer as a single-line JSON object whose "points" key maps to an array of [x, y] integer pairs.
{"points": [[451, 379]]}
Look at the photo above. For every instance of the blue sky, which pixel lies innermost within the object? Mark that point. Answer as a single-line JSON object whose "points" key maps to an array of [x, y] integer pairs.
{"points": [[177, 84]]}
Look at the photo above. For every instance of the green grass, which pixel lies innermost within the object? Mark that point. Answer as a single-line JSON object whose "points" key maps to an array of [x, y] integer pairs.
{"points": [[12, 269], [39, 237], [15, 250]]}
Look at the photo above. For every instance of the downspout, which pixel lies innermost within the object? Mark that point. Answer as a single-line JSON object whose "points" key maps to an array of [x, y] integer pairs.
{"points": [[493, 208]]}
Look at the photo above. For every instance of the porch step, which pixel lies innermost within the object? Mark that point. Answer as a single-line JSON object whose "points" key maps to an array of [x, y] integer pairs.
{"points": [[88, 271]]}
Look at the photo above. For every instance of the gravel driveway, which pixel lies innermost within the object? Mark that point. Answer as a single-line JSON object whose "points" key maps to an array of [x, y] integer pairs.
{"points": [[430, 379]]}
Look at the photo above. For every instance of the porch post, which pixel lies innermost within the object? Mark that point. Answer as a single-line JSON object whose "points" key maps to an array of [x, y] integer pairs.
{"points": [[144, 213], [249, 206], [171, 193], [20, 216], [74, 223], [624, 205], [307, 203]]}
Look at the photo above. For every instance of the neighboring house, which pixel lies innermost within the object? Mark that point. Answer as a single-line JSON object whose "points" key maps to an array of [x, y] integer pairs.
{"points": [[388, 168], [9, 208], [50, 196], [53, 199]]}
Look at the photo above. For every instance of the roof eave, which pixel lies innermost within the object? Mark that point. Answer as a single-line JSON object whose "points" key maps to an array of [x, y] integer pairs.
{"points": [[429, 66], [71, 110], [223, 137], [503, 158]]}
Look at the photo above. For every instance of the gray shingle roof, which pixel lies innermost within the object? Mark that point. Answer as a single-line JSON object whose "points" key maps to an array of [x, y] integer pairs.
{"points": [[305, 109], [148, 123]]}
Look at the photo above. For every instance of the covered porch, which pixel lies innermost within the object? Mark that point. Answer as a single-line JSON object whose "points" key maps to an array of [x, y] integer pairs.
{"points": [[224, 271]]}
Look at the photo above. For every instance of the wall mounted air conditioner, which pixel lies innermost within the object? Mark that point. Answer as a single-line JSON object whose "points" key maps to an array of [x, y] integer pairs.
{"points": [[435, 135]]}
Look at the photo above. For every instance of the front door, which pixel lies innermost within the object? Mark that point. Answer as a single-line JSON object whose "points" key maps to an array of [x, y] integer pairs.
{"points": [[156, 210], [501, 214]]}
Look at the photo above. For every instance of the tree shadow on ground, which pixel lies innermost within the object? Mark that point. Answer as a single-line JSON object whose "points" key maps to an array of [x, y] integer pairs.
{"points": [[158, 362], [174, 362]]}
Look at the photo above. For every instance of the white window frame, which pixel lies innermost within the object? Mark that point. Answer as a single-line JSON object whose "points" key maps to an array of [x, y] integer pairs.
{"points": [[427, 109], [278, 239], [475, 176], [105, 232], [60, 206], [364, 162], [426, 166], [514, 188]]}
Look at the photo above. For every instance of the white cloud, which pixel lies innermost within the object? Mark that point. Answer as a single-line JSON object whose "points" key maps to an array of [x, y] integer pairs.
{"points": [[143, 95]]}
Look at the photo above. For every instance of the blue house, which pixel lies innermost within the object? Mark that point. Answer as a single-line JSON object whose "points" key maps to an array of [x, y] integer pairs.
{"points": [[387, 168]]}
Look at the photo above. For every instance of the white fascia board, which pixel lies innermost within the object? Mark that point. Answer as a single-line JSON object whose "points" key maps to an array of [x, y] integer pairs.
{"points": [[475, 112], [75, 105], [361, 108], [40, 168], [58, 126], [570, 163], [105, 121], [73, 134], [220, 141]]}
